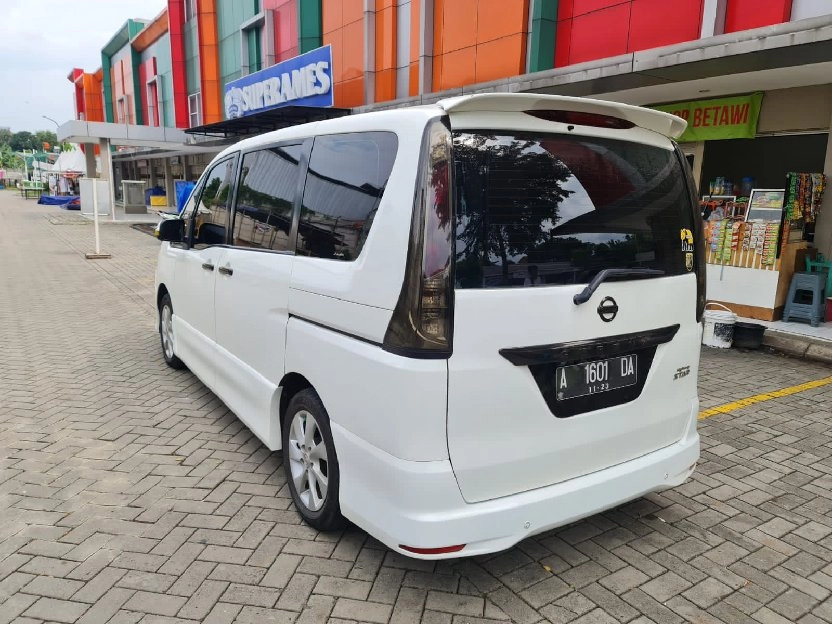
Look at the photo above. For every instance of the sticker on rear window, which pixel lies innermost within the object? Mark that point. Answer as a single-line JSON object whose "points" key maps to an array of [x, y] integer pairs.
{"points": [[687, 247]]}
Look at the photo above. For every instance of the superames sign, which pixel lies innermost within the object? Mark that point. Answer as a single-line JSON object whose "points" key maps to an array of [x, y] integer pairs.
{"points": [[305, 80]]}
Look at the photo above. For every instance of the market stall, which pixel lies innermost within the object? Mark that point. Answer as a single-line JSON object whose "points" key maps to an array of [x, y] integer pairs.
{"points": [[757, 243]]}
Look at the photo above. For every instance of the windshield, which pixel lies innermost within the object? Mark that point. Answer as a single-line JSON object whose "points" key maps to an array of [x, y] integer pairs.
{"points": [[548, 209]]}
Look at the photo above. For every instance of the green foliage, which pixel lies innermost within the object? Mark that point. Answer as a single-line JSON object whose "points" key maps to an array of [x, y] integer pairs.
{"points": [[8, 159]]}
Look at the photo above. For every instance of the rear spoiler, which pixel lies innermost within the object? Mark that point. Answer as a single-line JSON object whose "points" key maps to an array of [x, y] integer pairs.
{"points": [[657, 121]]}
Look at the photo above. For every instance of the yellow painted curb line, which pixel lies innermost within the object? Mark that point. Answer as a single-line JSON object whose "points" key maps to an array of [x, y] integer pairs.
{"points": [[766, 396]]}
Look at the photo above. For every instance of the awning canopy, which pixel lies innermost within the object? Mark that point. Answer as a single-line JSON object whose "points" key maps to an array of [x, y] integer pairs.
{"points": [[268, 120]]}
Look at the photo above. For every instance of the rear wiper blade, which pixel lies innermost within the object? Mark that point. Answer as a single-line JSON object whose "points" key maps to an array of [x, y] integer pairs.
{"points": [[586, 293]]}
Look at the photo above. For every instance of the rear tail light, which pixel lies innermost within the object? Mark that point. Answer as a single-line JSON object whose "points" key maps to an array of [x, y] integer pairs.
{"points": [[698, 235], [422, 320], [582, 119]]}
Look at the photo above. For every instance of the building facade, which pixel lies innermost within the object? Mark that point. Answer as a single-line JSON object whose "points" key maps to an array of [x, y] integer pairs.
{"points": [[173, 70]]}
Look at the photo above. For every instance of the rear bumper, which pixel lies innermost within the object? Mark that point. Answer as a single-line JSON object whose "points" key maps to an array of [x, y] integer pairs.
{"points": [[419, 504]]}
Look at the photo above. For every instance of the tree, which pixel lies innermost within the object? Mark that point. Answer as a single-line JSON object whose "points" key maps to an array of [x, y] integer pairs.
{"points": [[508, 193], [8, 159], [46, 136], [5, 136], [24, 141]]}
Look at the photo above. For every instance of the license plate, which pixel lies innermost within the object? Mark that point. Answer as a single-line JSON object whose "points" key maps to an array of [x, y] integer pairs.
{"points": [[593, 377]]}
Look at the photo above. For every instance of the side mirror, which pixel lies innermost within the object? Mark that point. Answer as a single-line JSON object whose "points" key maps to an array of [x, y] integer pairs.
{"points": [[172, 230]]}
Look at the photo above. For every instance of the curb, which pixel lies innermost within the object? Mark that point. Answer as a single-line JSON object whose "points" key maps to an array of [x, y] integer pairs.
{"points": [[799, 346]]}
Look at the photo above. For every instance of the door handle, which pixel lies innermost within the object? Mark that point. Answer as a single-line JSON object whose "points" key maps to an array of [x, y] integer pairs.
{"points": [[226, 270], [207, 266]]}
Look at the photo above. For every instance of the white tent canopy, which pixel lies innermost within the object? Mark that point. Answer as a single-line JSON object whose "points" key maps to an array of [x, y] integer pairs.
{"points": [[71, 160]]}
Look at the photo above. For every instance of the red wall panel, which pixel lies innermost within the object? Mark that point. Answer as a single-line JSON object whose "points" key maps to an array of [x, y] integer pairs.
{"points": [[589, 30], [581, 7], [600, 34], [656, 23], [746, 14], [285, 27], [176, 22]]}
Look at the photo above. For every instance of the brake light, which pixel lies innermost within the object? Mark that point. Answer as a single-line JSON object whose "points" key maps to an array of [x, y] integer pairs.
{"points": [[577, 118], [432, 551], [421, 323], [698, 235]]}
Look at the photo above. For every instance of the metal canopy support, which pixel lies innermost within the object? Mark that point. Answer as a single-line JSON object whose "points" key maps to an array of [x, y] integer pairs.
{"points": [[267, 121]]}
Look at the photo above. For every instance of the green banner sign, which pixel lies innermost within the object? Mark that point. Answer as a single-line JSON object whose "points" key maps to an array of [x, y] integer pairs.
{"points": [[720, 118]]}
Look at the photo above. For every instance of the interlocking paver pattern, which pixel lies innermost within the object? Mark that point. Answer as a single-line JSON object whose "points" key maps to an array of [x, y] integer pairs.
{"points": [[129, 493]]}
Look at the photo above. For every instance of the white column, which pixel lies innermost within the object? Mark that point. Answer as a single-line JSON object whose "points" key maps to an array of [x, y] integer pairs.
{"points": [[170, 187], [107, 172], [713, 18], [426, 14], [823, 227], [89, 157], [369, 51]]}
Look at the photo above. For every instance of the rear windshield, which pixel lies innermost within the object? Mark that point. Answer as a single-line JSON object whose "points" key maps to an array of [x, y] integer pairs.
{"points": [[548, 209]]}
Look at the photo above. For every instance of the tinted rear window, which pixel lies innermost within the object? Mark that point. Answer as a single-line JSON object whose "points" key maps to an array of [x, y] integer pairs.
{"points": [[550, 209]]}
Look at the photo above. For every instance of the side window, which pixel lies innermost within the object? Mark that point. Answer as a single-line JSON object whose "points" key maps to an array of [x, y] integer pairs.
{"points": [[210, 218], [345, 183], [265, 201]]}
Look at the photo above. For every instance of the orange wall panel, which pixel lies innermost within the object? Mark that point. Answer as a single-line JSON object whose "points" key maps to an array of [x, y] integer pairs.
{"points": [[353, 58], [333, 16], [457, 68], [459, 24], [478, 40], [500, 58], [352, 10], [349, 93], [343, 29], [335, 38], [385, 38], [498, 18]]}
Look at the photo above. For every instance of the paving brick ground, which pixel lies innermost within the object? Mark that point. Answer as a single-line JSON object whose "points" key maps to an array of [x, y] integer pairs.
{"points": [[128, 492]]}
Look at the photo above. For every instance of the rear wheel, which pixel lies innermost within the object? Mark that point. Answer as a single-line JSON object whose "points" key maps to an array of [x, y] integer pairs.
{"points": [[310, 462], [166, 333]]}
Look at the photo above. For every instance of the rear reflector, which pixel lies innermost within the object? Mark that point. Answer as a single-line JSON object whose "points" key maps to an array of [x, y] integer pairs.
{"points": [[432, 551], [582, 119]]}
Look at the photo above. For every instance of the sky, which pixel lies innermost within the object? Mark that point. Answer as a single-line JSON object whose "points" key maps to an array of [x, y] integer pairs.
{"points": [[41, 41]]}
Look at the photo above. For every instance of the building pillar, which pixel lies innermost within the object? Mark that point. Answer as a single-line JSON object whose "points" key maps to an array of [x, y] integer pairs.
{"points": [[170, 187], [426, 13], [713, 18], [370, 51], [89, 157], [107, 172], [823, 227], [152, 164]]}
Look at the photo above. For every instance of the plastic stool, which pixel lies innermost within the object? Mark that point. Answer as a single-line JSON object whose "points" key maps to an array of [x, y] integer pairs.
{"points": [[806, 300], [821, 265]]}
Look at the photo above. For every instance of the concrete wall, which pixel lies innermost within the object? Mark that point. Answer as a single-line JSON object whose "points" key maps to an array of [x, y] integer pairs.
{"points": [[801, 108]]}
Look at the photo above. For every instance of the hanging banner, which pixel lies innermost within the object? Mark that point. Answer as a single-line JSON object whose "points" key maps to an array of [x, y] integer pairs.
{"points": [[719, 118]]}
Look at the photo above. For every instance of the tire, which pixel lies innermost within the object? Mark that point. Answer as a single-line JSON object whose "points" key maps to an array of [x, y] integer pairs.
{"points": [[166, 333], [306, 456]]}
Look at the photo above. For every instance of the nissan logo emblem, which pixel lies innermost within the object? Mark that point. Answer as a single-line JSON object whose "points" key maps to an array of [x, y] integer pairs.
{"points": [[607, 309]]}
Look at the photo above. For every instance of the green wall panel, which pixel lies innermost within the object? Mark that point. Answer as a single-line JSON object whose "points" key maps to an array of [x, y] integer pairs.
{"points": [[542, 35], [310, 27]]}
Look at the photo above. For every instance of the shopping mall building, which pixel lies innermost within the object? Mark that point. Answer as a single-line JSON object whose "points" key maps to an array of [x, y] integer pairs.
{"points": [[753, 77]]}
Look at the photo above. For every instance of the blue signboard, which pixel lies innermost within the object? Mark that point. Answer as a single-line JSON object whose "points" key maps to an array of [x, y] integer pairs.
{"points": [[305, 80]]}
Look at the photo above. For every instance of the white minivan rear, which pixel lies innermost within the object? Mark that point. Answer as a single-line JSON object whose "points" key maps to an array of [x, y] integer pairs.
{"points": [[488, 316]]}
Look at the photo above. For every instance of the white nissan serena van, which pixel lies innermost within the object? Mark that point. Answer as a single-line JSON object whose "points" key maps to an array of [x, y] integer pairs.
{"points": [[463, 323]]}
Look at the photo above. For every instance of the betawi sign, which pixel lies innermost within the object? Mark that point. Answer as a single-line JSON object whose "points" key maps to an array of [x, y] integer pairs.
{"points": [[721, 118], [304, 80]]}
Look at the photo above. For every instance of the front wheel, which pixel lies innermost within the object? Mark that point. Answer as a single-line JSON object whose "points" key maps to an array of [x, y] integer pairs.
{"points": [[166, 333], [310, 462]]}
